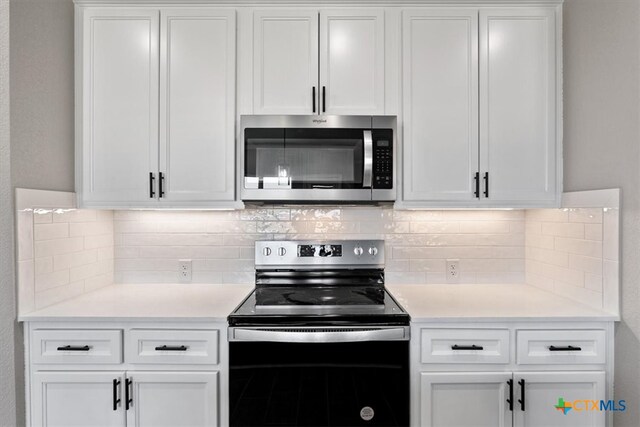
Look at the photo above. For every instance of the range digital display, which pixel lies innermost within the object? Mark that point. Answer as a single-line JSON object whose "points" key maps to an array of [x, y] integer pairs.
{"points": [[319, 250]]}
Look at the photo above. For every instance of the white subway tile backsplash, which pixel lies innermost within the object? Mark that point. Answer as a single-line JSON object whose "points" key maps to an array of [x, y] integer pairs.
{"points": [[52, 280], [566, 250], [53, 247], [51, 231], [579, 246], [221, 244], [67, 261], [43, 265]]}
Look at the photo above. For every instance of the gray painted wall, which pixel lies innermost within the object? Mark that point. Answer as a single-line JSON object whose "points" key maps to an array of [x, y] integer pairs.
{"points": [[602, 148], [42, 124], [602, 142], [7, 295]]}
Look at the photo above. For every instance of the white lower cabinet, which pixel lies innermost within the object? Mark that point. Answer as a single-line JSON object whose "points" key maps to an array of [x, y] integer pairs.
{"points": [[83, 399], [469, 399], [482, 399], [126, 375], [173, 399], [545, 391], [512, 375]]}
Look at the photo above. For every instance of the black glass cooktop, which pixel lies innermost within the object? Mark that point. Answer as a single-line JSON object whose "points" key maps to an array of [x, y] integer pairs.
{"points": [[318, 306], [319, 296]]}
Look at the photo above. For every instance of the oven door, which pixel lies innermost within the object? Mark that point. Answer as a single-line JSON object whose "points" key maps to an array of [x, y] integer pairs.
{"points": [[307, 164], [341, 382]]}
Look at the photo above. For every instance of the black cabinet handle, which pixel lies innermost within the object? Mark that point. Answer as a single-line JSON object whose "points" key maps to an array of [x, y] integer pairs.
{"points": [[467, 347], [172, 348], [313, 98], [152, 193], [510, 399], [161, 184], [521, 400], [476, 178], [567, 348], [116, 383], [74, 348], [324, 101], [128, 396], [486, 184]]}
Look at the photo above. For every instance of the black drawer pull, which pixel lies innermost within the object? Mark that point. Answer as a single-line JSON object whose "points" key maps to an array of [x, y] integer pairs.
{"points": [[466, 347], [172, 348], [116, 383], [72, 348], [522, 394], [567, 348], [510, 399]]}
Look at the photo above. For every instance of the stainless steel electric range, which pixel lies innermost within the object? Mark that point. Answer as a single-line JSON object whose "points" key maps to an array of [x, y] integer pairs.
{"points": [[320, 341]]}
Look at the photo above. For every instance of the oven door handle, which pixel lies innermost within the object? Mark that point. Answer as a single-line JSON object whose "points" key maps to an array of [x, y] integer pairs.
{"points": [[367, 174], [306, 336]]}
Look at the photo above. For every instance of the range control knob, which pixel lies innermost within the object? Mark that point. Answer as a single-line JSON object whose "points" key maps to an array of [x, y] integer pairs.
{"points": [[358, 251], [373, 251], [281, 251], [266, 251]]}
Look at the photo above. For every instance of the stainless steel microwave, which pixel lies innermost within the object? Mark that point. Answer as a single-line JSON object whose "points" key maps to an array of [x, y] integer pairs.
{"points": [[310, 159]]}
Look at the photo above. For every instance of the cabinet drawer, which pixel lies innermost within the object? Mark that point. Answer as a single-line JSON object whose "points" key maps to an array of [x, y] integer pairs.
{"points": [[464, 346], [172, 346], [560, 347], [76, 346]]}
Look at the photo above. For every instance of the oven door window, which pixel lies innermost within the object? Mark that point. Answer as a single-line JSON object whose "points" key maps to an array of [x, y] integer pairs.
{"points": [[304, 158], [330, 384]]}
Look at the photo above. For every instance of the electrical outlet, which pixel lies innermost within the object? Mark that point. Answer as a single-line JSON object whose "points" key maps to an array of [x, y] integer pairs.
{"points": [[453, 271], [184, 270]]}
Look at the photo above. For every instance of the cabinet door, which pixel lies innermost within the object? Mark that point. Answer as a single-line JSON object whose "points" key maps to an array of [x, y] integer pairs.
{"points": [[352, 61], [173, 399], [440, 92], [119, 117], [285, 61], [518, 103], [546, 393], [468, 399], [80, 399], [197, 105]]}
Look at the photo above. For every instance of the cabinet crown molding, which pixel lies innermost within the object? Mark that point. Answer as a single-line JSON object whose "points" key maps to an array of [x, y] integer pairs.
{"points": [[325, 3]]}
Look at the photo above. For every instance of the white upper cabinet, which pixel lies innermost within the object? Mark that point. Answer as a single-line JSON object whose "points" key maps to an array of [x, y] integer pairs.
{"points": [[352, 61], [518, 105], [197, 105], [440, 94], [119, 112], [285, 55], [481, 107], [157, 124], [307, 61]]}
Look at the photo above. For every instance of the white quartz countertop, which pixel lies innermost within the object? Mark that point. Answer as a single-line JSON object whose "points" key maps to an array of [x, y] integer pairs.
{"points": [[214, 302], [148, 302], [464, 303]]}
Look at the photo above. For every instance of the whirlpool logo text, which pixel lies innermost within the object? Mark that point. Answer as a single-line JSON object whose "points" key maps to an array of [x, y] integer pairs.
{"points": [[590, 405]]}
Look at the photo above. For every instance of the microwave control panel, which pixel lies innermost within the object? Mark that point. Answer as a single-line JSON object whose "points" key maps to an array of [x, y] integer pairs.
{"points": [[383, 158]]}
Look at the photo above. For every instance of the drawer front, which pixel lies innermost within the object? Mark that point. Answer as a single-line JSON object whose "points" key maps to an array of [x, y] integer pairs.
{"points": [[464, 345], [172, 346], [560, 347], [76, 346]]}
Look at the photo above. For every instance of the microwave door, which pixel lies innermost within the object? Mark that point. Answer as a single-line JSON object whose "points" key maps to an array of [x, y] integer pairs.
{"points": [[325, 159]]}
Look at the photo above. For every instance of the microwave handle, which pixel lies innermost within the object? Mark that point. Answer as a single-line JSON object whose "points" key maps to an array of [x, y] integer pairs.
{"points": [[368, 159]]}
